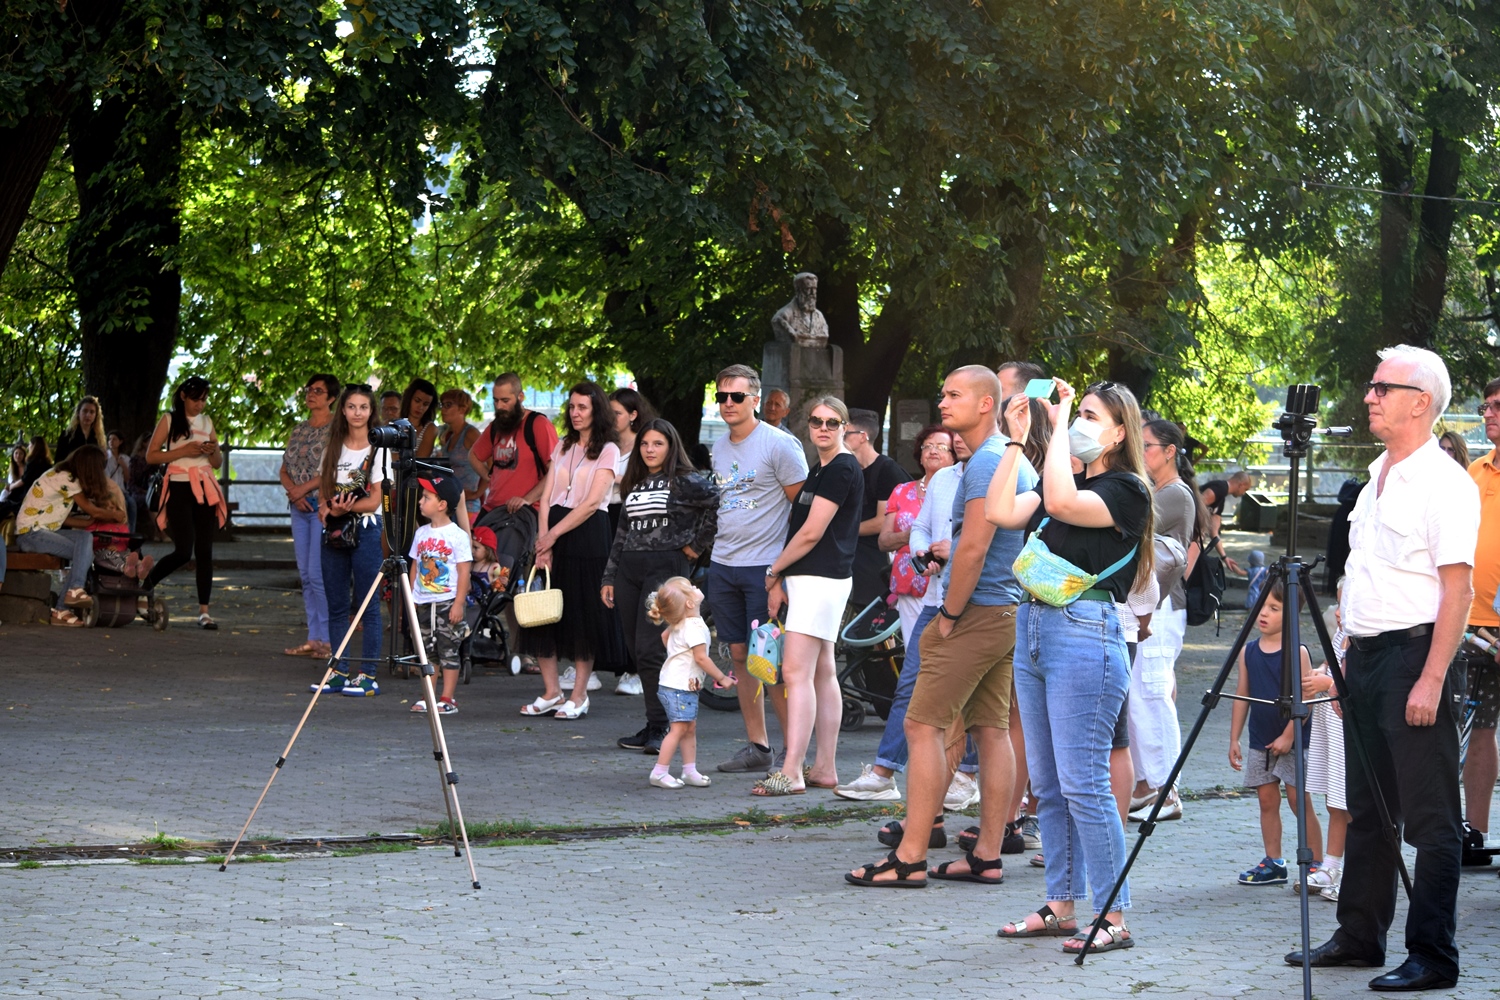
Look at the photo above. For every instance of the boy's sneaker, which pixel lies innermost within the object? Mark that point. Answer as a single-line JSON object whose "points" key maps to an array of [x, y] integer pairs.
{"points": [[1270, 871], [363, 686], [1031, 832], [334, 686], [869, 787]]}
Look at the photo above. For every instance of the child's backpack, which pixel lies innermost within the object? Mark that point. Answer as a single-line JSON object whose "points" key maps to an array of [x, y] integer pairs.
{"points": [[1205, 587], [764, 657]]}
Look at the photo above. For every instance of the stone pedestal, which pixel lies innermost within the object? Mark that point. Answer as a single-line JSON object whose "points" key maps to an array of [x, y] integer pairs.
{"points": [[908, 419], [805, 373]]}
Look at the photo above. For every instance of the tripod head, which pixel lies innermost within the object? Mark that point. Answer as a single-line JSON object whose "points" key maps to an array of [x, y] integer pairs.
{"points": [[400, 500]]}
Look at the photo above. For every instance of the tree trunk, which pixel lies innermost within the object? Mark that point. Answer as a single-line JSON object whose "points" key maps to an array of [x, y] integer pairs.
{"points": [[26, 147], [1430, 267], [681, 411], [1396, 159], [127, 154]]}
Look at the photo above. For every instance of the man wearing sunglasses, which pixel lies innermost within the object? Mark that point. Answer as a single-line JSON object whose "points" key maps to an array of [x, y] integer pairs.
{"points": [[1407, 593], [759, 471]]}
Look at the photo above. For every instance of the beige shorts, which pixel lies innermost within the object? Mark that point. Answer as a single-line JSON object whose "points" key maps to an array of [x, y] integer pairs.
{"points": [[969, 673]]}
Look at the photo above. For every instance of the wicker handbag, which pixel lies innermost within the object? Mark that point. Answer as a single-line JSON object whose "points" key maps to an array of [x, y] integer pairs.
{"points": [[535, 608]]}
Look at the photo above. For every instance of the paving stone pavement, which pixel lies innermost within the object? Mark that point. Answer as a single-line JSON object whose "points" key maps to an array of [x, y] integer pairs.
{"points": [[110, 736]]}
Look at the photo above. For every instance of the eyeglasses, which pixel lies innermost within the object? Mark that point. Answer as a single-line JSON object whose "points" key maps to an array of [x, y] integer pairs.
{"points": [[1152, 444], [938, 448], [1381, 388], [738, 397], [1484, 408], [830, 424], [315, 390]]}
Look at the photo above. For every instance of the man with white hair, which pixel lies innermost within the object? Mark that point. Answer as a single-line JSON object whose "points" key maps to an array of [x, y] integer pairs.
{"points": [[1406, 596]]}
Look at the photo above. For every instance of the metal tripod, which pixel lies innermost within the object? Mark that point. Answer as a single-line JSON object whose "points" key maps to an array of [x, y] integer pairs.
{"points": [[393, 569], [1296, 426]]}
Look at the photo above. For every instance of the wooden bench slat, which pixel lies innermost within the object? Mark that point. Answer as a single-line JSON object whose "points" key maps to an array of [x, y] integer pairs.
{"points": [[19, 561]]}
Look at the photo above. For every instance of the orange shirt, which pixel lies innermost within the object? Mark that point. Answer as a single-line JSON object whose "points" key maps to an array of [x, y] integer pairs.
{"points": [[1487, 553]]}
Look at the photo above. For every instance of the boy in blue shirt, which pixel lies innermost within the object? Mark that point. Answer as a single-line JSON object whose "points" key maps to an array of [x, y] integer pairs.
{"points": [[1270, 759]]}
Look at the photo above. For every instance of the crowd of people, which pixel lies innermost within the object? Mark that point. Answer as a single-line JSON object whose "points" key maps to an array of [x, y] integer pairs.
{"points": [[1038, 565]]}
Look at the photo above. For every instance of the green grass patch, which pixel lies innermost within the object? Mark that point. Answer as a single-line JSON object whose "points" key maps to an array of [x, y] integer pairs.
{"points": [[28, 865], [160, 861], [378, 847], [165, 841]]}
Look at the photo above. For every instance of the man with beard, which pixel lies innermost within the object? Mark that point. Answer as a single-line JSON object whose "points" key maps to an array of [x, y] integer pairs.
{"points": [[514, 451]]}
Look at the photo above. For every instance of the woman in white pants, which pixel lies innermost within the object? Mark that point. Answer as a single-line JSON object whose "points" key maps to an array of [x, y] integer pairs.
{"points": [[1155, 735]]}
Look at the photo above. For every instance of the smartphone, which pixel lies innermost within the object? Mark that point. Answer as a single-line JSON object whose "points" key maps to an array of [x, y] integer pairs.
{"points": [[1040, 388]]}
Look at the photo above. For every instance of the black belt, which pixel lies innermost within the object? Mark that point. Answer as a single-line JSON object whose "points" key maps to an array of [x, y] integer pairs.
{"points": [[1370, 643]]}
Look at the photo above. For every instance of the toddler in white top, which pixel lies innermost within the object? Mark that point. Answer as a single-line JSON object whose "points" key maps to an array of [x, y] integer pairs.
{"points": [[676, 603]]}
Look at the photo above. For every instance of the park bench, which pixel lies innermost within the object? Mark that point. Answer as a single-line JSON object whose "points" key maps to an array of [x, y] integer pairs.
{"points": [[27, 593]]}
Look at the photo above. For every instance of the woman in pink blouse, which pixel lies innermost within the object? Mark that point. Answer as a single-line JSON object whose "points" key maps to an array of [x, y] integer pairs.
{"points": [[934, 450], [574, 543]]}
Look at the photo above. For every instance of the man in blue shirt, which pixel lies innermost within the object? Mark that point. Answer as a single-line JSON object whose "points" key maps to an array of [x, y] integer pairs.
{"points": [[966, 654]]}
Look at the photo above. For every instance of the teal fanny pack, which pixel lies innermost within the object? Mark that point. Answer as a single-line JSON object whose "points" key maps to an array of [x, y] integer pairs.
{"points": [[1054, 580]]}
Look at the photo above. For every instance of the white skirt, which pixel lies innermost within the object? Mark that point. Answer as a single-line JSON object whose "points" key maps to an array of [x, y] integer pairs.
{"points": [[1325, 757], [815, 605]]}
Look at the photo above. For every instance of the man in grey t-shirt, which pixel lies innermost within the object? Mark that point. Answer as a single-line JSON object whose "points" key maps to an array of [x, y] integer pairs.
{"points": [[759, 470]]}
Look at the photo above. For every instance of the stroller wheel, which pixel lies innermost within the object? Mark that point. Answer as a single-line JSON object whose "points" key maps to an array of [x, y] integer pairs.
{"points": [[465, 662], [854, 715], [91, 614], [158, 615]]}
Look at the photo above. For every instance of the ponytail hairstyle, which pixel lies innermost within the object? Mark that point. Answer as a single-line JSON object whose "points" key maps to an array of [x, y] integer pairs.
{"points": [[1169, 435], [1129, 457], [668, 604], [338, 431]]}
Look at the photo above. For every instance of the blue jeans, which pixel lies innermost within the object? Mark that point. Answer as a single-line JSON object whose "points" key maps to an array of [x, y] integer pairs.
{"points": [[892, 751], [1071, 678], [71, 544], [307, 540], [359, 567]]}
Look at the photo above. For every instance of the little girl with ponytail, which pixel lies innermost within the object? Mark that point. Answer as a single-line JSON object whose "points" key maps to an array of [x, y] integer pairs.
{"points": [[675, 603]]}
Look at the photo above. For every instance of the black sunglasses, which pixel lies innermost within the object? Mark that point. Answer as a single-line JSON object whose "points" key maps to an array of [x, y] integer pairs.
{"points": [[1099, 387], [829, 423], [738, 397], [358, 387], [1381, 388]]}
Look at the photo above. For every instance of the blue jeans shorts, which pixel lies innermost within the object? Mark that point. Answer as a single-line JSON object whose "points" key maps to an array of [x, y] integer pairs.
{"points": [[681, 706], [737, 596]]}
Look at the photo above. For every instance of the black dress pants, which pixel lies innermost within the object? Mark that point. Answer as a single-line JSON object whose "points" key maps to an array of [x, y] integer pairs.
{"points": [[637, 575], [1416, 768]]}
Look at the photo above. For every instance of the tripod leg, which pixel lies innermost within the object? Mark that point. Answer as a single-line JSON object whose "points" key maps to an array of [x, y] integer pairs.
{"points": [[1359, 747], [446, 775], [327, 674], [1210, 700], [1293, 708]]}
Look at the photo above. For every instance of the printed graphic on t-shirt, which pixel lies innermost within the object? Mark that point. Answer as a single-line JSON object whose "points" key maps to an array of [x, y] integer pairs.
{"points": [[733, 487], [505, 453], [435, 566], [646, 506]]}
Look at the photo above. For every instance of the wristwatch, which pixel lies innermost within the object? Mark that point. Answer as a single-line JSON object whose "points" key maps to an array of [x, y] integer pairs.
{"points": [[771, 574]]}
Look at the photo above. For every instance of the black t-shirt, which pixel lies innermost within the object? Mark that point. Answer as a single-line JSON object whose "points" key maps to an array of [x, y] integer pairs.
{"points": [[1221, 493], [833, 554], [1096, 549], [872, 567]]}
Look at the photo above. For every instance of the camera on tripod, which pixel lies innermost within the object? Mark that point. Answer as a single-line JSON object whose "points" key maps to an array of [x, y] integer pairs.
{"points": [[398, 435]]}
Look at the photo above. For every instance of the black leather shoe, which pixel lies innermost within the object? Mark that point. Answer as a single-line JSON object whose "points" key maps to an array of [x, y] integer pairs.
{"points": [[1474, 854], [637, 741], [1330, 953], [1412, 975]]}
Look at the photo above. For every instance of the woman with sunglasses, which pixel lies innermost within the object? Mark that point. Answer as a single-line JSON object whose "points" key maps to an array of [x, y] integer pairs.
{"points": [[1071, 666], [185, 442], [811, 580], [301, 468]]}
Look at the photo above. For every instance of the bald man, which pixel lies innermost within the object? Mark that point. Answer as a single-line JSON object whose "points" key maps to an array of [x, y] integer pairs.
{"points": [[966, 668]]}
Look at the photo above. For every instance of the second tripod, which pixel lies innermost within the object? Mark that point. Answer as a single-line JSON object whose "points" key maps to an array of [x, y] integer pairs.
{"points": [[393, 569]]}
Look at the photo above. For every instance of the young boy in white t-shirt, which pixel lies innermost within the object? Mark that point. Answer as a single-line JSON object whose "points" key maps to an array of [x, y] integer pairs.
{"points": [[441, 558]]}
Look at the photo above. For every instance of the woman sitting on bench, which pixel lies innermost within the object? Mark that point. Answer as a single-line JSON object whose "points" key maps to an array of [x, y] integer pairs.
{"points": [[46, 523]]}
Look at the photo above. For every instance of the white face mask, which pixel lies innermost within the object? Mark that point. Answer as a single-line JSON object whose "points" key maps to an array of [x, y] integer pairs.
{"points": [[1083, 440]]}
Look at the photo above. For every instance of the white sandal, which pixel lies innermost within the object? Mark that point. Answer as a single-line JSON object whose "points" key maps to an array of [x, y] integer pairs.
{"points": [[568, 710], [542, 706]]}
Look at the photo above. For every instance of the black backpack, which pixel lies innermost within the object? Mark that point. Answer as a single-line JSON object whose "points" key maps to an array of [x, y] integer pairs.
{"points": [[1205, 586]]}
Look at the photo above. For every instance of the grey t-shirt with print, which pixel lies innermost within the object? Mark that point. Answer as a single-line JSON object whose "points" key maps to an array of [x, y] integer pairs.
{"points": [[752, 476]]}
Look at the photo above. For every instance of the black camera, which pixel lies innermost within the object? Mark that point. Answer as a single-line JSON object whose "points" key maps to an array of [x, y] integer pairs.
{"points": [[399, 435]]}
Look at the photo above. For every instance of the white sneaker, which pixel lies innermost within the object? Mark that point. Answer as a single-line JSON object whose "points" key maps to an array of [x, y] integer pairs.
{"points": [[570, 677], [963, 792], [869, 787], [1171, 809], [628, 684]]}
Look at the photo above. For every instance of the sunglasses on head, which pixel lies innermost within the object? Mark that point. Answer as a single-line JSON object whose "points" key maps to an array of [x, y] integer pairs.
{"points": [[738, 397], [829, 423], [1381, 388], [1099, 387], [358, 387]]}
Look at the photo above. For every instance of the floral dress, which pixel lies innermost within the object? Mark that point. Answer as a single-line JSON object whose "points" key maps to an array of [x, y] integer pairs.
{"points": [[906, 503]]}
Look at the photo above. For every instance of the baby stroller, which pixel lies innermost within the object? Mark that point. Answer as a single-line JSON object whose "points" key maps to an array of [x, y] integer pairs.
{"points": [[515, 538], [873, 655], [117, 597]]}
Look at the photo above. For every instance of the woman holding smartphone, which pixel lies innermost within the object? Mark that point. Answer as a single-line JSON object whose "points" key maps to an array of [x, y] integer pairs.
{"points": [[812, 579], [1071, 667]]}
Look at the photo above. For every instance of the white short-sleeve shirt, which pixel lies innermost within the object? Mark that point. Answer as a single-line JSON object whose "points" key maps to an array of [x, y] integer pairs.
{"points": [[1427, 516]]}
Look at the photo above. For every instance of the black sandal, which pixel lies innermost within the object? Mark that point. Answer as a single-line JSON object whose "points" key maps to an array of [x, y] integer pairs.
{"points": [[969, 839], [903, 870], [1052, 926], [890, 835], [976, 871]]}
